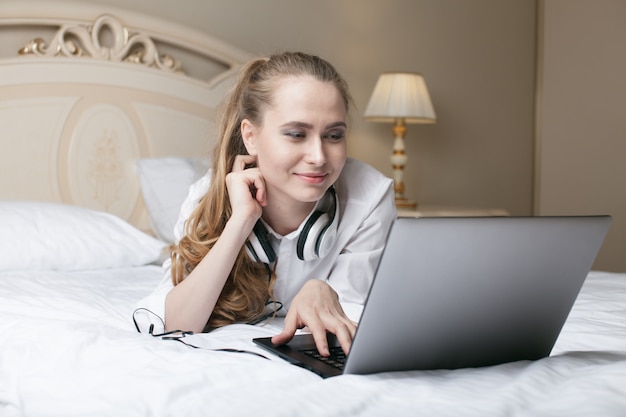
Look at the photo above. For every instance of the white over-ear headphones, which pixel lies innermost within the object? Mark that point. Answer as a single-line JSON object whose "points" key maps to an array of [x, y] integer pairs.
{"points": [[316, 238]]}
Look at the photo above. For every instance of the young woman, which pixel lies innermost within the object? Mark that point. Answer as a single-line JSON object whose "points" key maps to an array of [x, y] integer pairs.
{"points": [[284, 220]]}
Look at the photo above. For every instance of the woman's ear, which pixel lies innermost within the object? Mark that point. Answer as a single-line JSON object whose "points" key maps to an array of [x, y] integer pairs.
{"points": [[248, 134]]}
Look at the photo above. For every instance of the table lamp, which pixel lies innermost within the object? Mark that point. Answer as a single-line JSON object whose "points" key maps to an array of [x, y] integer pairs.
{"points": [[400, 98]]}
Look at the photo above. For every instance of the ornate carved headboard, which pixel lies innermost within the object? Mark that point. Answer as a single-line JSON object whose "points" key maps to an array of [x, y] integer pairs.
{"points": [[84, 95]]}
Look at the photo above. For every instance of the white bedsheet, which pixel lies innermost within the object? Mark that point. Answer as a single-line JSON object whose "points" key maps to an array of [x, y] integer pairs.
{"points": [[68, 348]]}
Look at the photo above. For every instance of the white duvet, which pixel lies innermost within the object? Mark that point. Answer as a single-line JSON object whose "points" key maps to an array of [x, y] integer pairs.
{"points": [[69, 348]]}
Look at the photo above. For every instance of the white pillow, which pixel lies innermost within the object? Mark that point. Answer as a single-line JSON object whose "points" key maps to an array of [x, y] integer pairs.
{"points": [[38, 235], [165, 183]]}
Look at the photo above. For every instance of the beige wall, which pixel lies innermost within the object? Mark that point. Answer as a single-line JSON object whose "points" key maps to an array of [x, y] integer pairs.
{"points": [[477, 56], [581, 136]]}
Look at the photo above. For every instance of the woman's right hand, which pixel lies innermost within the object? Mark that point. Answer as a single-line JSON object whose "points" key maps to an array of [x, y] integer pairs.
{"points": [[246, 188]]}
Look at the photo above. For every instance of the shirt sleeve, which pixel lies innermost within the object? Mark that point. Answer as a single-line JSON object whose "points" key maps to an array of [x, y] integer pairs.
{"points": [[149, 314], [354, 268]]}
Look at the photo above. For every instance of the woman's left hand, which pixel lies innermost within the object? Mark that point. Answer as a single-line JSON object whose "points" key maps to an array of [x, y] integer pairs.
{"points": [[317, 307]]}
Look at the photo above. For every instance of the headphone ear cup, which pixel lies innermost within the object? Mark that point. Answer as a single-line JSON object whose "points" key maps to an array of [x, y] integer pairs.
{"points": [[307, 247], [326, 239], [327, 236], [320, 231], [258, 245]]}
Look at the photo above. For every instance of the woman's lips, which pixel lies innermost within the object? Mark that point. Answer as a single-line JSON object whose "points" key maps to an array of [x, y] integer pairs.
{"points": [[313, 178]]}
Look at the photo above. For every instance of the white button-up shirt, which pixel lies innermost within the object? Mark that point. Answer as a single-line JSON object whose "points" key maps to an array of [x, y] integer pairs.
{"points": [[366, 212]]}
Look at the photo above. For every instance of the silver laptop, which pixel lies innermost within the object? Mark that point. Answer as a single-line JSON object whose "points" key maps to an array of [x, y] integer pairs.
{"points": [[464, 292]]}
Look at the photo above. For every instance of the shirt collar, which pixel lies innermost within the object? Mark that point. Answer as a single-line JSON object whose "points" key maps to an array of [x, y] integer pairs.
{"points": [[292, 235]]}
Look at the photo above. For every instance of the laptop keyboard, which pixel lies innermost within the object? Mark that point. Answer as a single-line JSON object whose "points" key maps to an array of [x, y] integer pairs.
{"points": [[336, 359]]}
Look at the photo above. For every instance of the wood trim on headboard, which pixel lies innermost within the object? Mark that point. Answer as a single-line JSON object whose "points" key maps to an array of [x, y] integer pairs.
{"points": [[77, 40]]}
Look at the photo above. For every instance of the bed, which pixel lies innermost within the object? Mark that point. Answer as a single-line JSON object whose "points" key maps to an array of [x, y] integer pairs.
{"points": [[106, 118]]}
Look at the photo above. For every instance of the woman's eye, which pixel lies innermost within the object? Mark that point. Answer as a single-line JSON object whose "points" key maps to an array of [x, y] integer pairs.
{"points": [[335, 136], [294, 134]]}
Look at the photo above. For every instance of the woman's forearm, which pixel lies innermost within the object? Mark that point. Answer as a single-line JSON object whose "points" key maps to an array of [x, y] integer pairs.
{"points": [[189, 304]]}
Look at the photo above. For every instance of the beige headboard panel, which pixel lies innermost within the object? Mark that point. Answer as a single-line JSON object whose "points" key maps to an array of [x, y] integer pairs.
{"points": [[81, 102]]}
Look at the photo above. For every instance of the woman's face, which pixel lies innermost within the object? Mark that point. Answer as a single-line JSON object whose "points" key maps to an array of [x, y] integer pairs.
{"points": [[301, 144]]}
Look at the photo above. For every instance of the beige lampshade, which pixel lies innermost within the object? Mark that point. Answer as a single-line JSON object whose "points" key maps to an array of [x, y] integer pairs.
{"points": [[400, 95]]}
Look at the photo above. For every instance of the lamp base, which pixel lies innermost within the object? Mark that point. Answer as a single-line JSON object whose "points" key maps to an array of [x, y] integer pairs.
{"points": [[402, 202]]}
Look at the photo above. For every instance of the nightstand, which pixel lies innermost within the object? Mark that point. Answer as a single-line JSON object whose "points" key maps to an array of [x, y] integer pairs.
{"points": [[443, 211]]}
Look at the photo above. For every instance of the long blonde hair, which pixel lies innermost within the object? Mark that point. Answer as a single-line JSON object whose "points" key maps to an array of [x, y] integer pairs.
{"points": [[249, 285]]}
